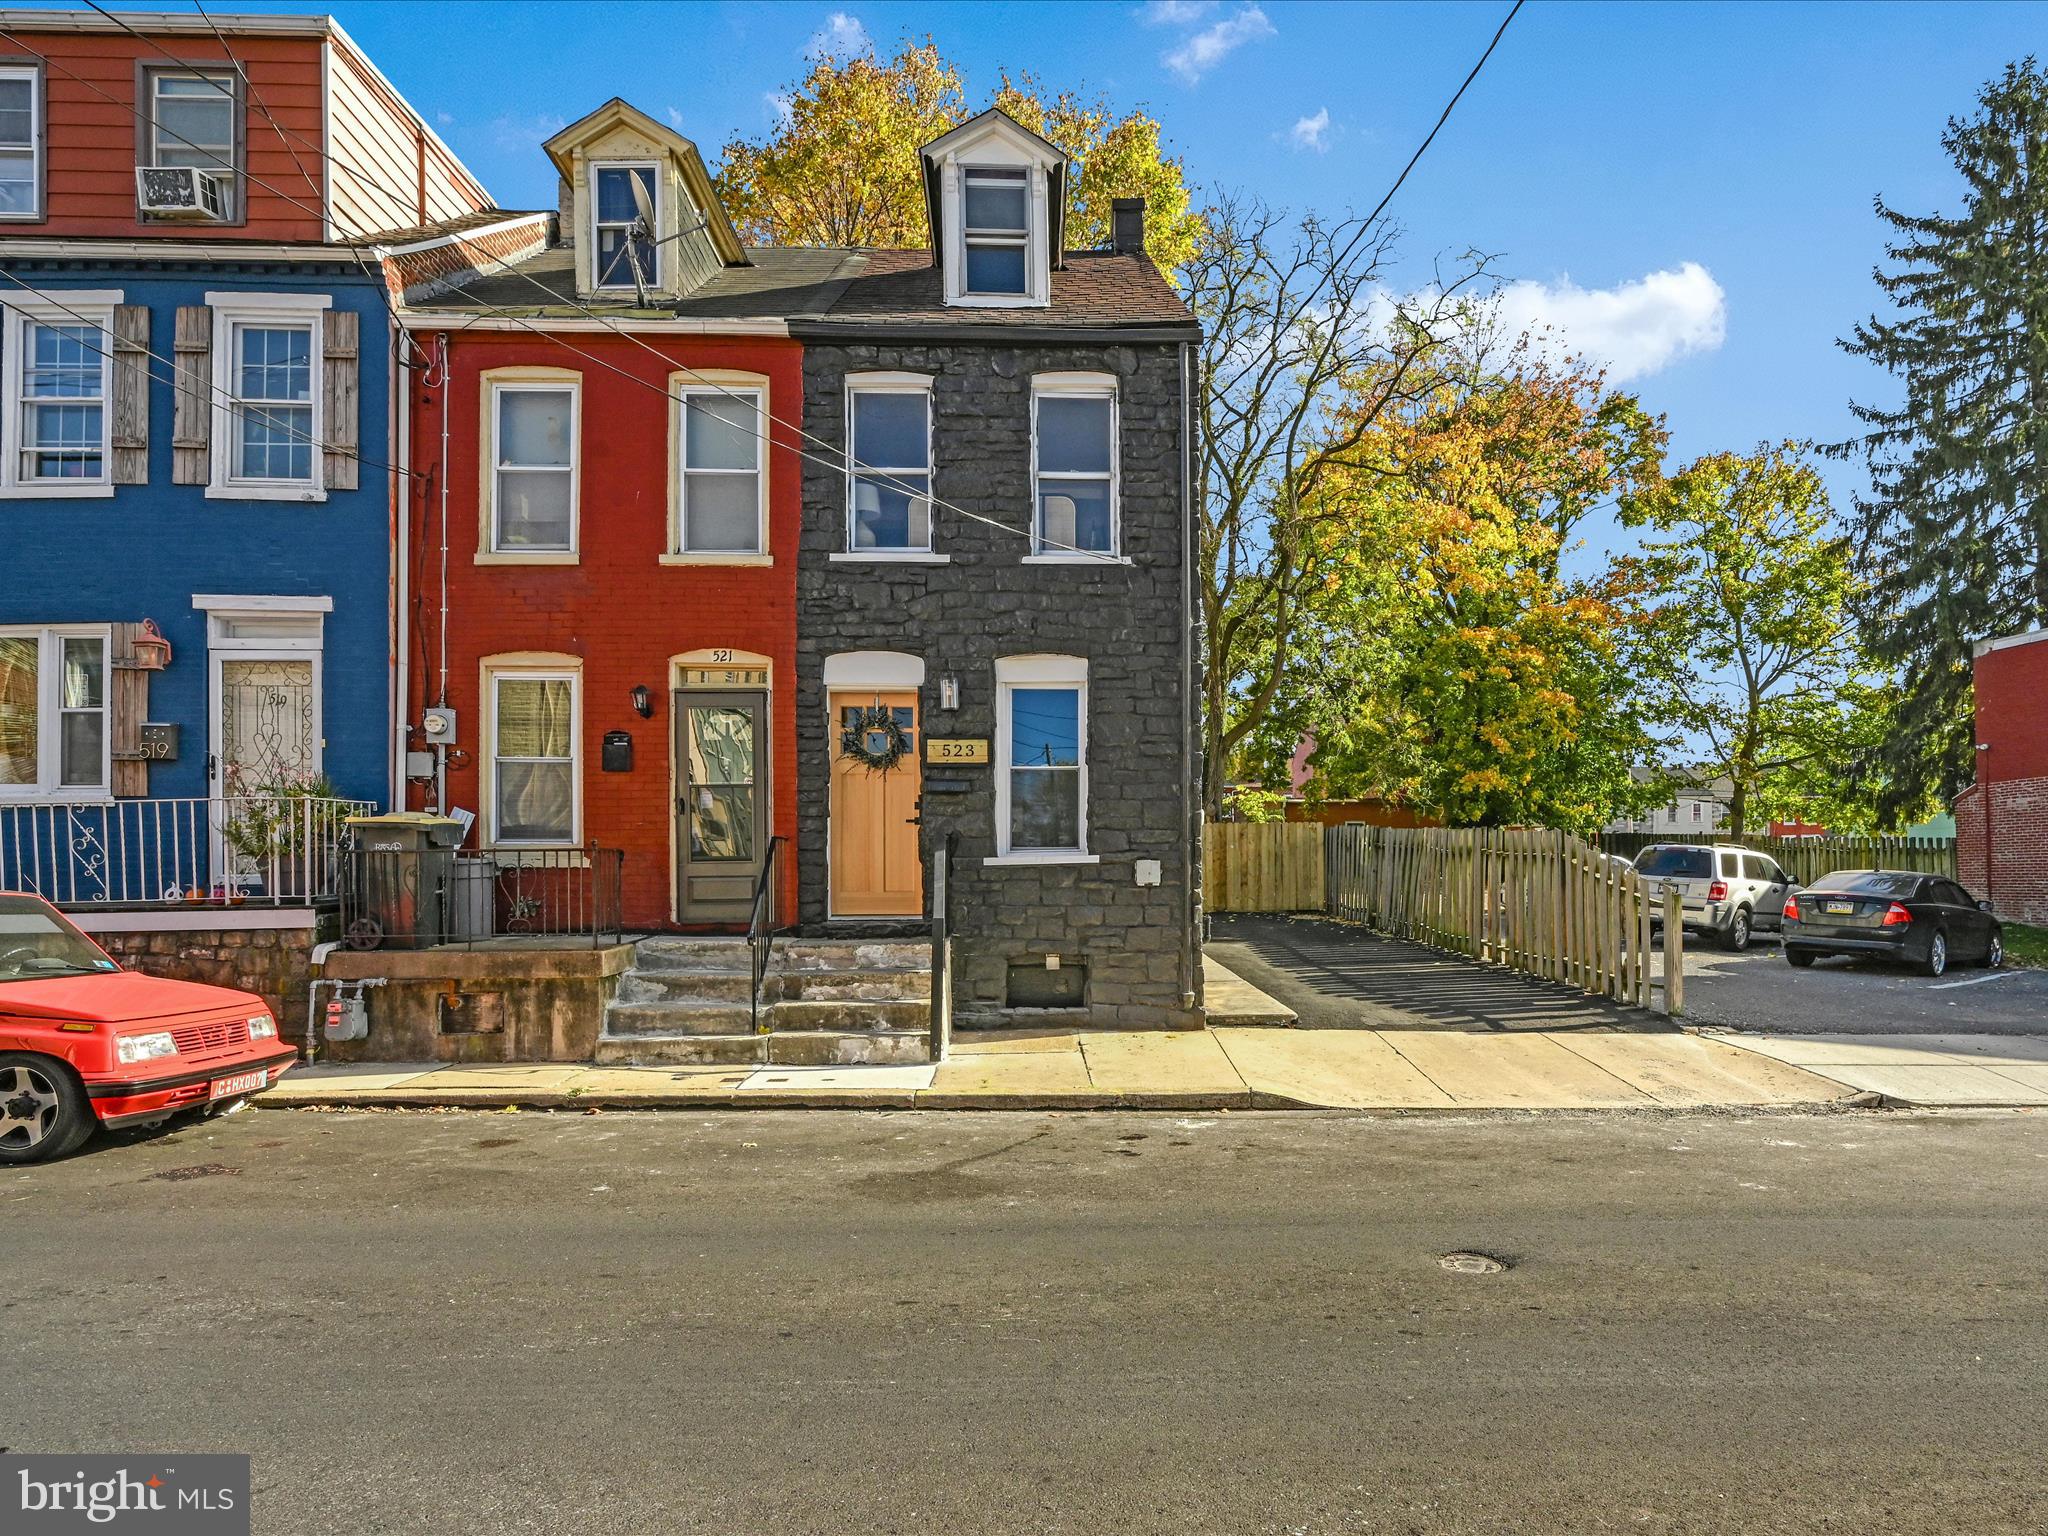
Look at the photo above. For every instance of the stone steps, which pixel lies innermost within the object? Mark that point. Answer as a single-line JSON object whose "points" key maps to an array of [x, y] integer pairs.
{"points": [[823, 1002]]}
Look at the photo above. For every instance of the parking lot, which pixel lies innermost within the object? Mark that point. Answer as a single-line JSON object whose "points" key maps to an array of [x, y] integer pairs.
{"points": [[1758, 990]]}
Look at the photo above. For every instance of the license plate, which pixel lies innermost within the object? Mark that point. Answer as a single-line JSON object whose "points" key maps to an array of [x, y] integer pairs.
{"points": [[1840, 909], [241, 1082]]}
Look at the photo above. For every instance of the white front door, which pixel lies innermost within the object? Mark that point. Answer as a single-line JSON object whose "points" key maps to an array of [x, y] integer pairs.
{"points": [[265, 736]]}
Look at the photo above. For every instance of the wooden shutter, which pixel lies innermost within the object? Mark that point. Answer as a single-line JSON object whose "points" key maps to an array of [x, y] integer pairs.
{"points": [[192, 422], [130, 707], [131, 394], [342, 367]]}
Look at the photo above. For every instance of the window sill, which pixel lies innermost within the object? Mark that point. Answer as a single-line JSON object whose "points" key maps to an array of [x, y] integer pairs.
{"points": [[889, 557], [1064, 558], [999, 301], [77, 794], [300, 493], [527, 557], [1006, 860], [709, 558], [41, 492]]}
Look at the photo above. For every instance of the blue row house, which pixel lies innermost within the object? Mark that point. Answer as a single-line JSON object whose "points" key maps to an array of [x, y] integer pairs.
{"points": [[197, 484]]}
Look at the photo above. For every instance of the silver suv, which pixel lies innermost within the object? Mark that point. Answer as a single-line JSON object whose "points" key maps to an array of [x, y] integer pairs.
{"points": [[1725, 892]]}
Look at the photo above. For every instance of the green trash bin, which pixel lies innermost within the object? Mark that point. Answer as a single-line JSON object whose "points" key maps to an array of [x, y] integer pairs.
{"points": [[400, 873]]}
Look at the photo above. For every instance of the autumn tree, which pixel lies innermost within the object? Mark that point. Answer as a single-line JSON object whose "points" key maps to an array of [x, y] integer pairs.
{"points": [[1953, 535], [840, 166], [1472, 672], [1304, 351], [1761, 655]]}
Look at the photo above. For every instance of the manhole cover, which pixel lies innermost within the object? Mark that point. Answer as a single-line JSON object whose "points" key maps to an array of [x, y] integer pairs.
{"points": [[1472, 1263]]}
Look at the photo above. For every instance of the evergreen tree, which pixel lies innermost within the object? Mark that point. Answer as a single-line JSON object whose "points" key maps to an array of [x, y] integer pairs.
{"points": [[1955, 526]]}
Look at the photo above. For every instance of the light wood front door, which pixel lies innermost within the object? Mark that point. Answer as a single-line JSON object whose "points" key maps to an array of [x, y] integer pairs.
{"points": [[875, 868]]}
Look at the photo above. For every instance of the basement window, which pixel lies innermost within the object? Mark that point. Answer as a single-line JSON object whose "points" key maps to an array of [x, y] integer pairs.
{"points": [[1033, 986]]}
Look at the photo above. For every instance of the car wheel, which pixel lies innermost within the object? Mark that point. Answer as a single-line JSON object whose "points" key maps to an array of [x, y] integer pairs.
{"points": [[1994, 953], [44, 1112], [1799, 958], [1738, 930], [1937, 955]]}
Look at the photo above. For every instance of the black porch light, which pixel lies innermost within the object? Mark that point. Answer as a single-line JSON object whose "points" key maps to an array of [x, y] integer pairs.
{"points": [[643, 701]]}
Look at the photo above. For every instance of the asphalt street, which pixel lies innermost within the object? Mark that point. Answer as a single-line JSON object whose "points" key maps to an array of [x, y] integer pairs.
{"points": [[921, 1322], [1758, 990]]}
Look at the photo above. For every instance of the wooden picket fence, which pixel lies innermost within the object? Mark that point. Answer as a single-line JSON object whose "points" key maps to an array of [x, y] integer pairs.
{"points": [[1806, 859], [1263, 866], [1540, 902]]}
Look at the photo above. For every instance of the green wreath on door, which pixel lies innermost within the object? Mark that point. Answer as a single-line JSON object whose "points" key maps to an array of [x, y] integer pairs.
{"points": [[873, 739]]}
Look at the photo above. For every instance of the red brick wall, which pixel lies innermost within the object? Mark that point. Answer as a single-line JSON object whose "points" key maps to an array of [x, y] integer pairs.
{"points": [[2002, 820], [619, 609]]}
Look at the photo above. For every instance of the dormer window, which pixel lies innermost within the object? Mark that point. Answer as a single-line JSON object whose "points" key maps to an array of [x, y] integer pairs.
{"points": [[194, 123], [621, 240], [997, 230]]}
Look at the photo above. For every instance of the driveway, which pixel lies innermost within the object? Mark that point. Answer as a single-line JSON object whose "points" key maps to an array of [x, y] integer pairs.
{"points": [[1336, 976], [1758, 990]]}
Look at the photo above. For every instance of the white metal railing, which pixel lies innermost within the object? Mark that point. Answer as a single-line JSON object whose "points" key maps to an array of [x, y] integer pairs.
{"points": [[271, 850]]}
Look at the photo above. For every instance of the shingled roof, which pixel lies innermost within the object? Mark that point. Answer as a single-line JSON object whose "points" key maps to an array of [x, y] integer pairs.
{"points": [[1094, 289]]}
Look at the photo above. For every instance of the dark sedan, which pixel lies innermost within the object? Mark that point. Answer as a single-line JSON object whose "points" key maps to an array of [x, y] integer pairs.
{"points": [[1924, 920]]}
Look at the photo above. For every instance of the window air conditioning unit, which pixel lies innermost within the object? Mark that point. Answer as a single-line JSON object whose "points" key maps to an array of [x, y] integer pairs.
{"points": [[181, 192]]}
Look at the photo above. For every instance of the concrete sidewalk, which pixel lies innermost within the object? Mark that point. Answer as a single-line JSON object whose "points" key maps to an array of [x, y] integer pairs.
{"points": [[1220, 1068], [1919, 1071]]}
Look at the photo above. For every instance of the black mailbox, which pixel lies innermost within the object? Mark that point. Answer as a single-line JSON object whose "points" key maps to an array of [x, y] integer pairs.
{"points": [[618, 752]]}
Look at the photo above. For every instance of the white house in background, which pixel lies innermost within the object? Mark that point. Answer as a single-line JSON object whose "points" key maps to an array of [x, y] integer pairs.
{"points": [[1695, 809]]}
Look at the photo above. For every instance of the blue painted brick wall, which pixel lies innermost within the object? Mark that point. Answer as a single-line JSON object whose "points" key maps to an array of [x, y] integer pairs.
{"points": [[144, 551]]}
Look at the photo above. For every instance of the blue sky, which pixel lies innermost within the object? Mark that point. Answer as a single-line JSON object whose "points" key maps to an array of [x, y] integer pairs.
{"points": [[1685, 189]]}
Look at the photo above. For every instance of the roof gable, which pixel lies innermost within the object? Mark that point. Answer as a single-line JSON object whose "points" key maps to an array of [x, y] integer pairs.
{"points": [[619, 114]]}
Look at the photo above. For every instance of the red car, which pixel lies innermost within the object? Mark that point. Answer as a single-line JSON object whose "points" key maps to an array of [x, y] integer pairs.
{"points": [[84, 1043]]}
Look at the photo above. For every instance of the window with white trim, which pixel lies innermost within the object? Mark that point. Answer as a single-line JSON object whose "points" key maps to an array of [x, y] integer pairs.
{"points": [[722, 497], [535, 772], [271, 380], [622, 240], [1074, 466], [54, 734], [534, 470], [996, 229], [194, 121], [56, 361], [1042, 748], [21, 143], [889, 463]]}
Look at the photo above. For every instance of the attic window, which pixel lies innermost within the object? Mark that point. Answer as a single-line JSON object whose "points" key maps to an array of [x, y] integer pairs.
{"points": [[997, 230], [621, 241]]}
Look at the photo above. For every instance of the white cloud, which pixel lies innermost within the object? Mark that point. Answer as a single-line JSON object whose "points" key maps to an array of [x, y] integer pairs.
{"points": [[842, 37], [779, 107], [1635, 328], [675, 118], [1176, 13], [445, 119], [513, 134], [1199, 54], [1311, 132]]}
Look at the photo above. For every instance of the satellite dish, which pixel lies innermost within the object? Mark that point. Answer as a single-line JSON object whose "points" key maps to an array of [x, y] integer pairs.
{"points": [[643, 229]]}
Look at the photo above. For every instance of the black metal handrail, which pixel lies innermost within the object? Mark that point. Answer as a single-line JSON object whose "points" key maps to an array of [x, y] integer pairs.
{"points": [[432, 898], [761, 924], [942, 945]]}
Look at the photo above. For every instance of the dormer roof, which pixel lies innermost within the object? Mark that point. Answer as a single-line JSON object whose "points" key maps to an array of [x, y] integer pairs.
{"points": [[996, 141], [617, 114]]}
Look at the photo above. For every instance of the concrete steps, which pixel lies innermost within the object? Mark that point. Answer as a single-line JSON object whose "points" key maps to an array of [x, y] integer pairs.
{"points": [[824, 1002]]}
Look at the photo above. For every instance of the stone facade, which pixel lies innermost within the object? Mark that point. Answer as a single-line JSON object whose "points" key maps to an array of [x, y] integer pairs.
{"points": [[1130, 620], [274, 963]]}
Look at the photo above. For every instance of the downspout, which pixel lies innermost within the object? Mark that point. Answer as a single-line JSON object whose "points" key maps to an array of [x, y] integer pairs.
{"points": [[441, 688], [401, 562], [1191, 828]]}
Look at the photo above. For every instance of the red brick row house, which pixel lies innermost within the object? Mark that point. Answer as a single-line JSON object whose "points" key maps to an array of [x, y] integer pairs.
{"points": [[2002, 819]]}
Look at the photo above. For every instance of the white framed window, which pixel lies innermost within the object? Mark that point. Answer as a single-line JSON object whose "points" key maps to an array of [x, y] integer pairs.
{"points": [[619, 241], [995, 230], [195, 121], [1074, 466], [56, 356], [21, 143], [535, 735], [55, 738], [889, 464], [535, 433], [268, 409], [1042, 760], [721, 495]]}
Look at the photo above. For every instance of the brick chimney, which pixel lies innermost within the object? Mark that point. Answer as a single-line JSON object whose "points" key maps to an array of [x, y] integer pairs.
{"points": [[1127, 226]]}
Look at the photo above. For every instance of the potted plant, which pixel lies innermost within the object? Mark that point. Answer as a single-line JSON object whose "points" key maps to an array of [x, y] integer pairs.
{"points": [[272, 828]]}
